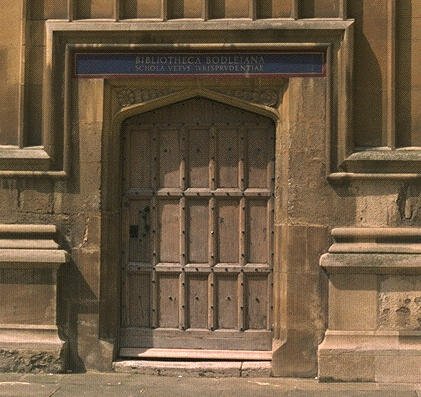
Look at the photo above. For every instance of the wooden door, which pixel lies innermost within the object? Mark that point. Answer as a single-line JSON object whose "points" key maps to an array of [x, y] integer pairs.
{"points": [[197, 229]]}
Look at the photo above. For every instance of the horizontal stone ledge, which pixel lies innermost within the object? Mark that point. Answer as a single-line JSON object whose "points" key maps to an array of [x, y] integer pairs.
{"points": [[30, 258], [26, 336], [375, 232], [385, 160], [344, 177], [375, 248], [371, 263], [46, 244], [376, 240], [24, 159], [200, 25], [23, 229], [387, 342]]}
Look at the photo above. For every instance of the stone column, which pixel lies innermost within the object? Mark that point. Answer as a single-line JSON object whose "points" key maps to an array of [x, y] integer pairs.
{"points": [[374, 306], [29, 262]]}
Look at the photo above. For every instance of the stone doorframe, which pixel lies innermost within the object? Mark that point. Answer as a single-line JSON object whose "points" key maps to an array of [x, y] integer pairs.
{"points": [[294, 351], [110, 102], [112, 170]]}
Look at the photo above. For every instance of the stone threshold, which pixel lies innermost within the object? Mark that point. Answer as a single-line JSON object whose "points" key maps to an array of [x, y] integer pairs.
{"points": [[211, 369]]}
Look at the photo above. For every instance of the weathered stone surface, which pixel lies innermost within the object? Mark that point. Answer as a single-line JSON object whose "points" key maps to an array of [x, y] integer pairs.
{"points": [[256, 369], [399, 303], [166, 368], [30, 361], [373, 306]]}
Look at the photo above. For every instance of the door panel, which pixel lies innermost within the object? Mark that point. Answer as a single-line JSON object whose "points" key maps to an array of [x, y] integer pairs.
{"points": [[258, 226], [199, 146], [169, 231], [197, 229]]}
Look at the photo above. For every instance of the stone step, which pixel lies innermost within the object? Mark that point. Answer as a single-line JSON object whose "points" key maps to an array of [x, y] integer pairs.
{"points": [[214, 369]]}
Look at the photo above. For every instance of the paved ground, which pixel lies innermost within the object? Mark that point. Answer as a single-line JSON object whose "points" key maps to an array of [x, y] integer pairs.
{"points": [[134, 385]]}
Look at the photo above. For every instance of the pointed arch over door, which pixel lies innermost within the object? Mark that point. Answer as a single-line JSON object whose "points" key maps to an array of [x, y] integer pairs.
{"points": [[198, 205]]}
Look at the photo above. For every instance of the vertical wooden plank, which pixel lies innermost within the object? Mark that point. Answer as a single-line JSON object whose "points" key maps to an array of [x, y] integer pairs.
{"points": [[212, 320], [228, 225], [168, 228], [242, 253], [227, 293], [243, 162], [213, 210], [258, 232], [227, 158], [271, 158], [125, 254], [198, 158], [212, 160], [198, 301], [140, 157], [241, 323], [183, 258], [242, 171], [257, 302], [155, 256], [212, 257], [168, 301], [155, 226], [184, 160], [212, 251], [269, 326], [169, 158], [155, 159]]}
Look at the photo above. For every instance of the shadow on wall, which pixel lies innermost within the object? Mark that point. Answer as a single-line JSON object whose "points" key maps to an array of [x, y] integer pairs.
{"points": [[77, 306], [368, 82], [403, 75]]}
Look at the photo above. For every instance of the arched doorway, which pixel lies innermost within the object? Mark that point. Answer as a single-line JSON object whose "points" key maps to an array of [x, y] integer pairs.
{"points": [[197, 230]]}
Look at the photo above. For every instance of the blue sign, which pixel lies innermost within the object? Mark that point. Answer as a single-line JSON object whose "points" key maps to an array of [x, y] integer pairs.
{"points": [[248, 64]]}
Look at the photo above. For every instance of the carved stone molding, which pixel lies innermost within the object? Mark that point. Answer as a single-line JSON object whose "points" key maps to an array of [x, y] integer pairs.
{"points": [[127, 96], [267, 97]]}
